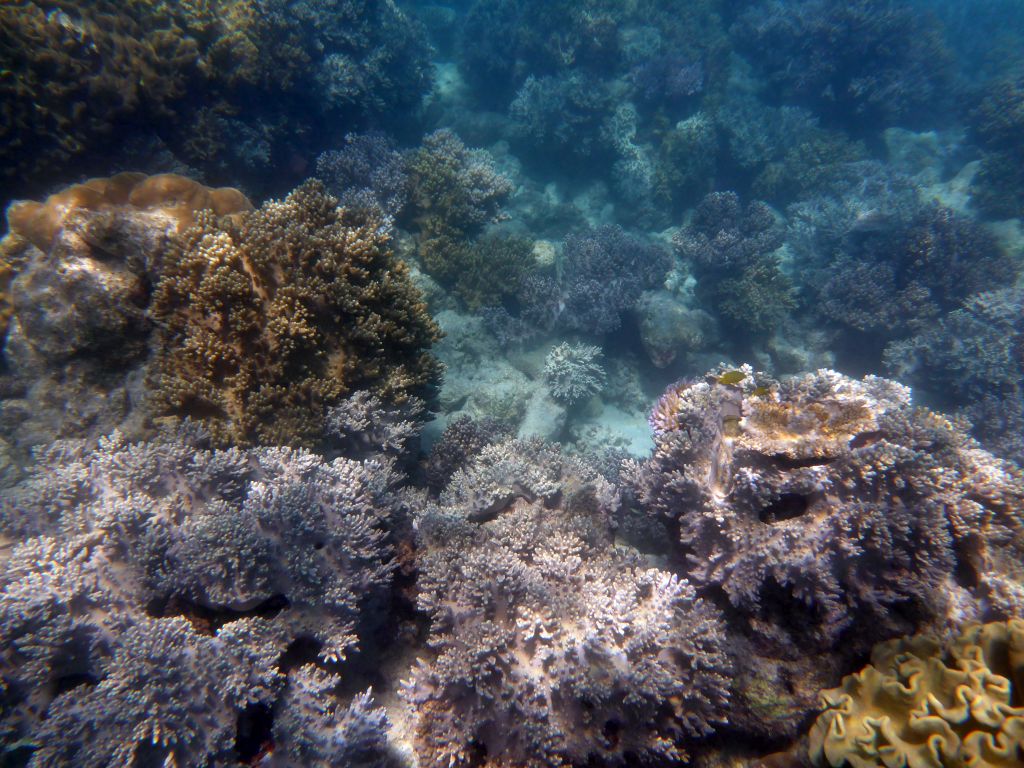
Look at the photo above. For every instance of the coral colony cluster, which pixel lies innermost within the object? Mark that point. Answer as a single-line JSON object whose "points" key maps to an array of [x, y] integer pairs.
{"points": [[512, 384]]}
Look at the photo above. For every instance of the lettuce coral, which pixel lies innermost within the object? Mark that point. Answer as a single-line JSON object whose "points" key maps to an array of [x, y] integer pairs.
{"points": [[266, 322], [924, 705]]}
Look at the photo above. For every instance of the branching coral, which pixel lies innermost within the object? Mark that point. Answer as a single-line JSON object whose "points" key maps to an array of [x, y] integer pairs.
{"points": [[849, 59], [731, 249], [369, 166], [822, 503], [266, 322], [902, 278], [549, 645], [602, 273], [482, 271], [998, 124], [156, 587], [573, 372], [924, 704]]}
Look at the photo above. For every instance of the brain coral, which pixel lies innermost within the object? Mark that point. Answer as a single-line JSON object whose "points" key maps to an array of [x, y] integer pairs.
{"points": [[826, 509], [152, 590], [267, 321], [924, 705], [550, 646]]}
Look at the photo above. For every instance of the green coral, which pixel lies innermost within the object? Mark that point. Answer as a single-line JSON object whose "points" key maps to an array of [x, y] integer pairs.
{"points": [[759, 299], [482, 271], [268, 320], [922, 705]]}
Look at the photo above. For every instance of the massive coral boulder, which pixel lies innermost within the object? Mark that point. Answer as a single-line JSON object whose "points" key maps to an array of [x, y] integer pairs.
{"points": [[549, 645], [151, 592], [80, 266], [829, 512], [266, 322]]}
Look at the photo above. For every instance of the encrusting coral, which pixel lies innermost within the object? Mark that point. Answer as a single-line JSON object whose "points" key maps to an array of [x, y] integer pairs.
{"points": [[266, 322], [549, 645], [923, 704]]}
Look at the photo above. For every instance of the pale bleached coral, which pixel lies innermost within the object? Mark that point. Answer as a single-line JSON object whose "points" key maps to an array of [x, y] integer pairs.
{"points": [[573, 372], [550, 646]]}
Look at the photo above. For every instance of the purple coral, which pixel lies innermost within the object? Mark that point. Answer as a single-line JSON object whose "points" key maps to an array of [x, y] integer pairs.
{"points": [[823, 505], [169, 580], [549, 645], [602, 273], [368, 169]]}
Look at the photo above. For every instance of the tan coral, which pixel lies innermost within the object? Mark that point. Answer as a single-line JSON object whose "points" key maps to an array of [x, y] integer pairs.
{"points": [[924, 706]]}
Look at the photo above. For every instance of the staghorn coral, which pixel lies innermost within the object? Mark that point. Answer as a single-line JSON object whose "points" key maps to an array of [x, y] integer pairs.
{"points": [[573, 372], [483, 271], [459, 444], [549, 645], [155, 588], [822, 504], [368, 164], [926, 704], [266, 322]]}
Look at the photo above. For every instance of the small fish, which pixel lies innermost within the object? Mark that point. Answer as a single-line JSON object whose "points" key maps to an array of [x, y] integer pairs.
{"points": [[872, 220], [761, 392], [730, 378]]}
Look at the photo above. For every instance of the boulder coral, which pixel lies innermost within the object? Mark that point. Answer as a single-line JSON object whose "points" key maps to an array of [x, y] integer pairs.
{"points": [[923, 704], [266, 322], [550, 646], [827, 511]]}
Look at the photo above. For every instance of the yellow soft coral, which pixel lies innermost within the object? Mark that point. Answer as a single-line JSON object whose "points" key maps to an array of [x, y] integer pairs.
{"points": [[921, 705]]}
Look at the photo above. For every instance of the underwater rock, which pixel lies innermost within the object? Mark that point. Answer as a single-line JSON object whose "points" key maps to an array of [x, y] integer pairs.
{"points": [[668, 328]]}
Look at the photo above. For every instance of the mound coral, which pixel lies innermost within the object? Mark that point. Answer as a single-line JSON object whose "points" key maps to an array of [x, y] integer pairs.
{"points": [[820, 503], [731, 249], [81, 266], [550, 646], [927, 705], [154, 588], [266, 322]]}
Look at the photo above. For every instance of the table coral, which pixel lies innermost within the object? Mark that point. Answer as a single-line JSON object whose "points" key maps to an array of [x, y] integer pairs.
{"points": [[921, 704], [549, 645], [266, 322]]}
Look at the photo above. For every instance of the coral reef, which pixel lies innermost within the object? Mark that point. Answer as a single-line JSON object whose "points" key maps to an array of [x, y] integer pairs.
{"points": [[822, 504], [573, 372], [368, 167], [998, 124], [155, 587], [601, 274], [731, 251], [460, 443], [481, 272], [207, 78], [81, 264], [267, 322], [549, 646], [924, 703], [849, 60], [889, 281]]}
